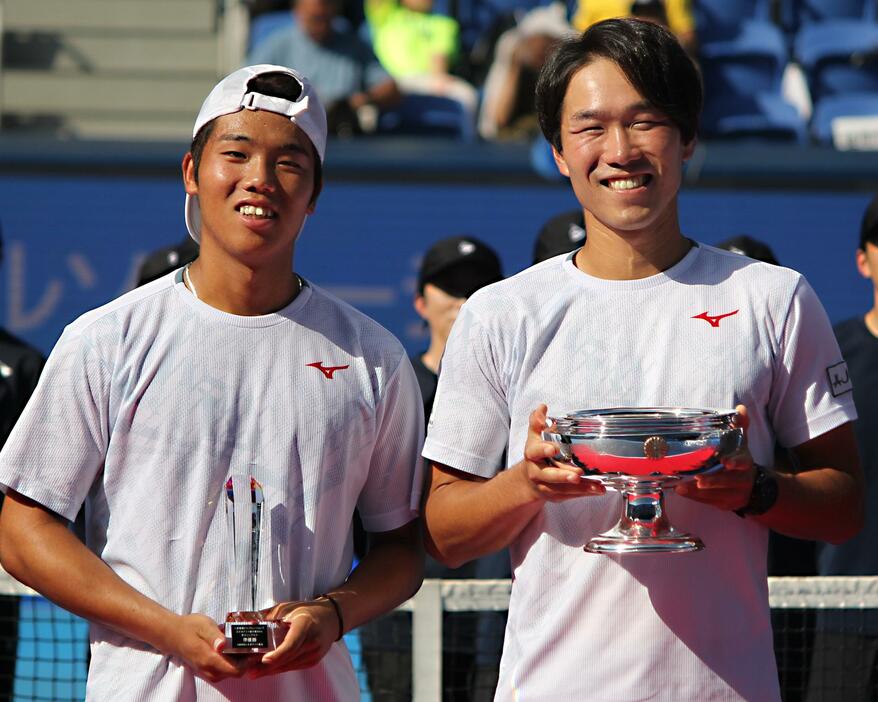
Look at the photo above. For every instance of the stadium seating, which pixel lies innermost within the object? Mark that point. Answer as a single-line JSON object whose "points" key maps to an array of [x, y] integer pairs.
{"points": [[743, 55], [723, 19], [836, 44], [750, 61], [800, 13], [764, 116], [838, 56], [428, 115], [839, 106]]}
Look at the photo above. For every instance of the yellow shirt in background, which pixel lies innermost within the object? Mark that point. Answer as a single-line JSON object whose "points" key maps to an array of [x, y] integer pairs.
{"points": [[588, 12]]}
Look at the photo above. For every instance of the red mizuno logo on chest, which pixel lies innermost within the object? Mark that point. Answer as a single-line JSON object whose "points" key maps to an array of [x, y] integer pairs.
{"points": [[326, 370], [713, 320]]}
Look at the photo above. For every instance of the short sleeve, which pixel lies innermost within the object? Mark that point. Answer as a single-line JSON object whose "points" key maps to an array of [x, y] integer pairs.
{"points": [[58, 444], [469, 427], [446, 38], [812, 392], [391, 495]]}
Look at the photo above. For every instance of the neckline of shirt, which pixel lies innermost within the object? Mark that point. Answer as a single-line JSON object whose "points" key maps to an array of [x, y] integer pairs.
{"points": [[250, 321], [587, 280]]}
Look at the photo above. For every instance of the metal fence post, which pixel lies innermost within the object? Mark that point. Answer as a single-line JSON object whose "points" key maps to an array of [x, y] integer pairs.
{"points": [[427, 643]]}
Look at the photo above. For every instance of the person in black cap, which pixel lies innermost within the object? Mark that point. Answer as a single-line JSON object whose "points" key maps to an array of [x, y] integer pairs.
{"points": [[561, 234], [452, 270], [750, 247], [20, 367], [167, 259], [845, 661]]}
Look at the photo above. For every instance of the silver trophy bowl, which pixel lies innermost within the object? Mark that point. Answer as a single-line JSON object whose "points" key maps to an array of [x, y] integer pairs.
{"points": [[639, 451]]}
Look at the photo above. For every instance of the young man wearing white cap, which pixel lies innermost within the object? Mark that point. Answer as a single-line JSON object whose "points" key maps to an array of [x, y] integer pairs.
{"points": [[234, 365]]}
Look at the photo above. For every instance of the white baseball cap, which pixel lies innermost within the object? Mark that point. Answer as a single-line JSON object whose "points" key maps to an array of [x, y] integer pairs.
{"points": [[231, 95]]}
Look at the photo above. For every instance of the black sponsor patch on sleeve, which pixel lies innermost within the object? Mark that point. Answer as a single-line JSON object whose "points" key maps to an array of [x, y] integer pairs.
{"points": [[839, 379]]}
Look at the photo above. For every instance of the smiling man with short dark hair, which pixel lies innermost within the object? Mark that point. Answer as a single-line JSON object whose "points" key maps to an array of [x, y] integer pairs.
{"points": [[640, 316]]}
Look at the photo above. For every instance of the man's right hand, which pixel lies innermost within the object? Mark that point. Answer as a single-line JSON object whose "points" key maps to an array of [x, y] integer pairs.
{"points": [[550, 480], [198, 642]]}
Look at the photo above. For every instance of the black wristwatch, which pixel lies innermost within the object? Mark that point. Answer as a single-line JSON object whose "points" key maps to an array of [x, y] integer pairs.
{"points": [[764, 493]]}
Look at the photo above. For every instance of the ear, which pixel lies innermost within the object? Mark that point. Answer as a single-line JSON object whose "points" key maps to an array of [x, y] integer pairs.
{"points": [[420, 305], [189, 181], [689, 149], [863, 264], [560, 162]]}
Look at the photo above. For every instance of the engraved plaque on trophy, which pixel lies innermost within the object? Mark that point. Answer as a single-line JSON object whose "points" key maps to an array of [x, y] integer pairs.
{"points": [[246, 629]]}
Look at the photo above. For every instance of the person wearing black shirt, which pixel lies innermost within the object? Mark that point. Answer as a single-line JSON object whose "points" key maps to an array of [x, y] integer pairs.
{"points": [[20, 367], [845, 661], [451, 271]]}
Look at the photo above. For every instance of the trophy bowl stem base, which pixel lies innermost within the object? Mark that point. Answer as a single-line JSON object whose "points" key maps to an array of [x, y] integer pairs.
{"points": [[643, 526], [247, 636]]}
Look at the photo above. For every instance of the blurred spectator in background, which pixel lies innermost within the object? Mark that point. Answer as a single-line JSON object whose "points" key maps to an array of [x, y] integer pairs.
{"points": [[508, 110], [166, 260], [845, 662], [348, 77], [451, 271], [750, 247], [419, 48], [20, 367], [351, 10], [561, 234], [676, 15], [260, 7]]}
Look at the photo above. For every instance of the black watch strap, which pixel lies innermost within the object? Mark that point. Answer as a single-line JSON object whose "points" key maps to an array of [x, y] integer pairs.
{"points": [[764, 493]]}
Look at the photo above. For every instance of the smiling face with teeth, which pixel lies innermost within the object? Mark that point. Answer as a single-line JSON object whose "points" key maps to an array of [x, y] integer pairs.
{"points": [[624, 158], [255, 185]]}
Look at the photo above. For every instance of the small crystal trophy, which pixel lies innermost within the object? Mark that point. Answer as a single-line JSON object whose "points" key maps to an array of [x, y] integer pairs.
{"points": [[246, 629]]}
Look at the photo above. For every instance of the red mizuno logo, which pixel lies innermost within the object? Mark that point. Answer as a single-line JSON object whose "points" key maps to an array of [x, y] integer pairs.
{"points": [[326, 370], [713, 320]]}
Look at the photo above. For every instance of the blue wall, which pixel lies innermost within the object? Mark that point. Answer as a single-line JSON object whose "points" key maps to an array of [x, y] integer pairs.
{"points": [[73, 243]]}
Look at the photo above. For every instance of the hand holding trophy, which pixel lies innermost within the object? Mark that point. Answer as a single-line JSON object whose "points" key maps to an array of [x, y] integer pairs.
{"points": [[246, 628], [639, 451]]}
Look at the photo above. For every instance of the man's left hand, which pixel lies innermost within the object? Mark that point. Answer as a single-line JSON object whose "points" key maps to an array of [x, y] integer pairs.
{"points": [[313, 630], [730, 488]]}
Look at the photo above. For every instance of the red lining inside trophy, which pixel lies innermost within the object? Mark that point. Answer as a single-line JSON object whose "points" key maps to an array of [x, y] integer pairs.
{"points": [[669, 465]]}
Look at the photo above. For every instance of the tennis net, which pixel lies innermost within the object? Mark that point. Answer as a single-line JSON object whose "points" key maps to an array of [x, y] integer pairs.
{"points": [[825, 629]]}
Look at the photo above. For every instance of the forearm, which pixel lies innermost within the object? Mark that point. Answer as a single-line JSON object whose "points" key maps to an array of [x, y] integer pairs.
{"points": [[821, 503], [504, 102], [389, 574], [823, 499], [466, 519], [41, 552]]}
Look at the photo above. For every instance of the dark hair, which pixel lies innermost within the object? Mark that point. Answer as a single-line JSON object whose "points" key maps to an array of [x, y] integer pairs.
{"points": [[650, 57], [869, 225], [274, 84]]}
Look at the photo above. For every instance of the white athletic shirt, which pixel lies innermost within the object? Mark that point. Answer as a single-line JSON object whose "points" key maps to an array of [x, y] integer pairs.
{"points": [[625, 628], [147, 405]]}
